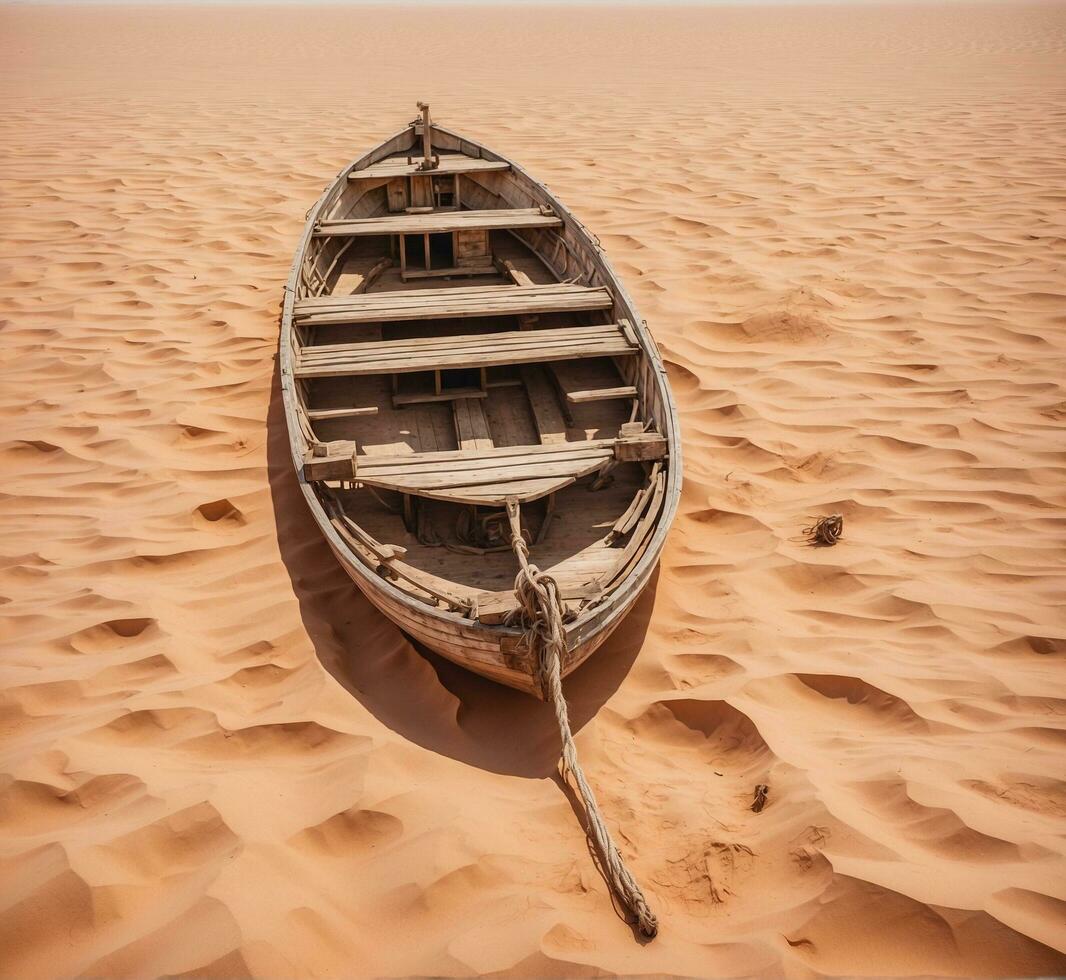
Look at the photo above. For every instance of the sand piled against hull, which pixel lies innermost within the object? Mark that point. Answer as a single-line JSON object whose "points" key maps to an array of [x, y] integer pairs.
{"points": [[846, 230]]}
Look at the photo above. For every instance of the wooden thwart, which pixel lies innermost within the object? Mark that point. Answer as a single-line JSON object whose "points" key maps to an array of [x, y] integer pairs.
{"points": [[466, 351], [453, 163], [456, 302], [483, 476], [487, 476], [440, 221]]}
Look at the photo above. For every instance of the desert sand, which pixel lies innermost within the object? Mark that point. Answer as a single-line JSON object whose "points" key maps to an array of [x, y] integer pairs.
{"points": [[845, 225]]}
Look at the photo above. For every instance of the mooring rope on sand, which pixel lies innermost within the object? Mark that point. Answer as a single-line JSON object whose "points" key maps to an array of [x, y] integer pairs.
{"points": [[542, 613]]}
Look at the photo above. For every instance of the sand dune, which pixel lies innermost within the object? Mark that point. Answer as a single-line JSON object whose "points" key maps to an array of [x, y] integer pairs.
{"points": [[845, 226]]}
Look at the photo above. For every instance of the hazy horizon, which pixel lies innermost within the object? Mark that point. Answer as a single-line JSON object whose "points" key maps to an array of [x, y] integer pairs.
{"points": [[512, 3]]}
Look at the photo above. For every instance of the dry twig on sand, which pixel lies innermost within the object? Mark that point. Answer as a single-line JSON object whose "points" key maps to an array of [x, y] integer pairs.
{"points": [[826, 531]]}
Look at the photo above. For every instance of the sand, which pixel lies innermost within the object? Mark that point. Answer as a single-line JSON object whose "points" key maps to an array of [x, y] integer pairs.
{"points": [[846, 228]]}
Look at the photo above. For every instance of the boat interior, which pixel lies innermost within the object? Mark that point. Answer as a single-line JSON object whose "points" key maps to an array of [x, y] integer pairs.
{"points": [[458, 352]]}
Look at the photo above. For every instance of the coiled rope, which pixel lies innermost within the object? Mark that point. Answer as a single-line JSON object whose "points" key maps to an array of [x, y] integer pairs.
{"points": [[541, 611]]}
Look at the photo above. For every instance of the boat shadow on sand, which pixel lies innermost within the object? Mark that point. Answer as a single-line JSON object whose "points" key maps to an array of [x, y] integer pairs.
{"points": [[413, 691]]}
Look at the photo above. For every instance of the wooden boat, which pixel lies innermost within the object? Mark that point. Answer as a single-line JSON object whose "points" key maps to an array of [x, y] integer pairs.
{"points": [[454, 342]]}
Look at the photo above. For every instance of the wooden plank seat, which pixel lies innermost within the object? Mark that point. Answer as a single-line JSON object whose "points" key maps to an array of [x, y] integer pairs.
{"points": [[435, 222], [451, 303], [450, 163], [487, 476], [467, 351], [484, 476]]}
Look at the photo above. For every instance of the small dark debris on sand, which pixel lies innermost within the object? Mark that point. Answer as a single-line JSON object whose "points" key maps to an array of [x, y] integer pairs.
{"points": [[826, 531]]}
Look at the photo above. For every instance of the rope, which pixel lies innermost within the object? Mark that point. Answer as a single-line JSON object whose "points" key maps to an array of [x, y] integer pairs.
{"points": [[541, 610]]}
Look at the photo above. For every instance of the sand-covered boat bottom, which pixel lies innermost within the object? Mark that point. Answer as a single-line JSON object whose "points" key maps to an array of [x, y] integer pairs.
{"points": [[845, 227]]}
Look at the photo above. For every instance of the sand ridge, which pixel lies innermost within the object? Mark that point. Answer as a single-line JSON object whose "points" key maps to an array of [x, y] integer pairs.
{"points": [[845, 226]]}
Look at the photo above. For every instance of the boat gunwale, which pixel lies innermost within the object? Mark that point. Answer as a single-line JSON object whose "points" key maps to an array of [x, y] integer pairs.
{"points": [[587, 624]]}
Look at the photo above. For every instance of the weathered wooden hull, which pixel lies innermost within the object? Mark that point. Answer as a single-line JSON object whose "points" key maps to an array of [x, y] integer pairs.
{"points": [[488, 651], [497, 652]]}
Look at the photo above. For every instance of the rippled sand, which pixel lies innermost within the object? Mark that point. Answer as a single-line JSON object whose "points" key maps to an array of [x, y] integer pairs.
{"points": [[846, 228]]}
